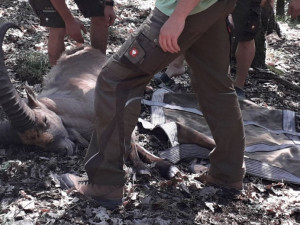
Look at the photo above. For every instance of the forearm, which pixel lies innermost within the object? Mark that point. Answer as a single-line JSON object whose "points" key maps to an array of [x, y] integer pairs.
{"points": [[183, 8], [173, 27], [63, 10]]}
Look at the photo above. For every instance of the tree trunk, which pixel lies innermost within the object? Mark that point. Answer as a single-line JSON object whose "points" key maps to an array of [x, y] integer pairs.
{"points": [[280, 8]]}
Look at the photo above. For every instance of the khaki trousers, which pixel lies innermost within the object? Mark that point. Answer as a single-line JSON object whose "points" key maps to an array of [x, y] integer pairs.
{"points": [[205, 44]]}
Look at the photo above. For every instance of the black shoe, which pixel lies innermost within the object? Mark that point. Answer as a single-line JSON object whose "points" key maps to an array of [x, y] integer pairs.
{"points": [[162, 79], [240, 92]]}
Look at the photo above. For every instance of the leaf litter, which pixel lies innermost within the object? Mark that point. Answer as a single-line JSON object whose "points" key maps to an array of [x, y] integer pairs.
{"points": [[29, 190]]}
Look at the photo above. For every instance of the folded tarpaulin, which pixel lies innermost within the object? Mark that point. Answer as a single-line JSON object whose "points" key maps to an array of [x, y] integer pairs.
{"points": [[272, 138]]}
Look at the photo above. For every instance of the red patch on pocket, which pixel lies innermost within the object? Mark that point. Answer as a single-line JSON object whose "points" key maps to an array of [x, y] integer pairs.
{"points": [[134, 52]]}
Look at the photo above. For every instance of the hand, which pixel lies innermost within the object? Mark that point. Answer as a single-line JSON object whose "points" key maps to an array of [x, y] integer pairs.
{"points": [[74, 28], [109, 15], [169, 33], [294, 8]]}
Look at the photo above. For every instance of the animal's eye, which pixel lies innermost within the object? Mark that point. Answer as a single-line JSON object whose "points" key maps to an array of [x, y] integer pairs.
{"points": [[43, 123]]}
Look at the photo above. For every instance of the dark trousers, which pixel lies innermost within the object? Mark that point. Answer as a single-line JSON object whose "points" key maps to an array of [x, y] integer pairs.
{"points": [[205, 44]]}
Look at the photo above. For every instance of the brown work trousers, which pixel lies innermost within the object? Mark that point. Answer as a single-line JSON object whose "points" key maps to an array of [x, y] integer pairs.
{"points": [[120, 86]]}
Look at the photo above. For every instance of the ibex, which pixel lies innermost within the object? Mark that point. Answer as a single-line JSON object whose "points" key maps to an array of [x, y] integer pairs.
{"points": [[63, 113]]}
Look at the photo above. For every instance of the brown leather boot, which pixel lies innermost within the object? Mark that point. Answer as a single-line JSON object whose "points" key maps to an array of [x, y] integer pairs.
{"points": [[108, 196], [207, 179]]}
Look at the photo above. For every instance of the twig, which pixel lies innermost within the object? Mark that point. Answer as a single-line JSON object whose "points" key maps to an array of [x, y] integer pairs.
{"points": [[259, 73]]}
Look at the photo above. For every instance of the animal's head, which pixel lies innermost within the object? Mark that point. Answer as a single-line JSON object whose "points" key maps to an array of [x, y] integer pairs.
{"points": [[30, 122]]}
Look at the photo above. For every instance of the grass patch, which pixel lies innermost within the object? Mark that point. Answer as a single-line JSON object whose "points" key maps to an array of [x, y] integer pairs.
{"points": [[31, 66], [275, 70]]}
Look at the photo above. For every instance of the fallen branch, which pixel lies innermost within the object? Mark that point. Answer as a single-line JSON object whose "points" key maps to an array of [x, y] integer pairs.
{"points": [[268, 75]]}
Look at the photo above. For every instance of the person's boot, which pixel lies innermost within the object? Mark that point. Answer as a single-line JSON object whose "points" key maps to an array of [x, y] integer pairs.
{"points": [[108, 196], [207, 179]]}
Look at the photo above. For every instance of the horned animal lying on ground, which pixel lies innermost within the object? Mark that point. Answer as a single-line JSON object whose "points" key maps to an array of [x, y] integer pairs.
{"points": [[62, 115]]}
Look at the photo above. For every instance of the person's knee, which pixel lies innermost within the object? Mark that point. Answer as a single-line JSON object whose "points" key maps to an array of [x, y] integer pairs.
{"points": [[99, 33], [99, 21], [247, 44]]}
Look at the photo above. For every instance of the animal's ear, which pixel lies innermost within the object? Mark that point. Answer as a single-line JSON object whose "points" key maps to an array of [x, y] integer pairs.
{"points": [[32, 101]]}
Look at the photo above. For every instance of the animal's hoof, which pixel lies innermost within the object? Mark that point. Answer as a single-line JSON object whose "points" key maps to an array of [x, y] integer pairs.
{"points": [[142, 170], [166, 169], [144, 173]]}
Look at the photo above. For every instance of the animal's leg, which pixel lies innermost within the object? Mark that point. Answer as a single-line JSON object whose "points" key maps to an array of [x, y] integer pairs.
{"points": [[138, 165], [165, 168]]}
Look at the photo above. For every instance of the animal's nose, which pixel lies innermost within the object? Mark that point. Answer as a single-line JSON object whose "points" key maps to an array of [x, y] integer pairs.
{"points": [[69, 149], [62, 147]]}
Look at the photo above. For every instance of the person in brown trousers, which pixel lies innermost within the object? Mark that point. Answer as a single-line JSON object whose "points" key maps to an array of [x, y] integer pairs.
{"points": [[197, 29]]}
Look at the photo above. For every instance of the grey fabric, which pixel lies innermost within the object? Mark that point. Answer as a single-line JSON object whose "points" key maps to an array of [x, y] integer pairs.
{"points": [[256, 167], [272, 141], [184, 152]]}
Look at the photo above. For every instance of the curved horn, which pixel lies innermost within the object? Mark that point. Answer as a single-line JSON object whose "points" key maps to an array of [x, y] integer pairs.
{"points": [[21, 116]]}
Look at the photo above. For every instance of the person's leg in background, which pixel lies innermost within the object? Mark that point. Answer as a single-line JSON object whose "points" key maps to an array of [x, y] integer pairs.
{"points": [[244, 55], [246, 18], [175, 68], [56, 44], [102, 16], [99, 33], [50, 18]]}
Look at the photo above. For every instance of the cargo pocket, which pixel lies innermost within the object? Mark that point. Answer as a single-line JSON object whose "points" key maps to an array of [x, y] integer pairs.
{"points": [[146, 54]]}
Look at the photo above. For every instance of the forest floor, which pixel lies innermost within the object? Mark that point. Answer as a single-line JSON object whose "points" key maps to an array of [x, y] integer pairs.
{"points": [[30, 193]]}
